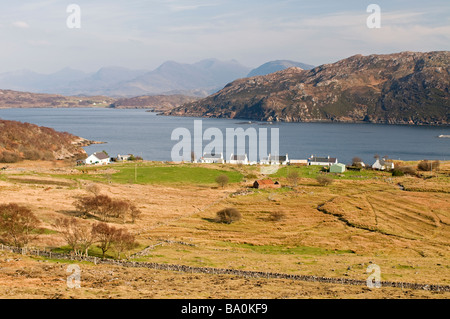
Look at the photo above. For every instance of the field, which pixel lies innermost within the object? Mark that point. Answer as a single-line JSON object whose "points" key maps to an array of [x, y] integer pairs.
{"points": [[401, 224]]}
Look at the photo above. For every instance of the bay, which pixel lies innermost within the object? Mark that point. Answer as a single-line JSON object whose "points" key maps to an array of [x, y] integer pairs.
{"points": [[148, 135]]}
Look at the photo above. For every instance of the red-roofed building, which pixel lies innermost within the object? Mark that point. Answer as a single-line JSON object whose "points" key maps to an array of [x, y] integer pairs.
{"points": [[266, 183]]}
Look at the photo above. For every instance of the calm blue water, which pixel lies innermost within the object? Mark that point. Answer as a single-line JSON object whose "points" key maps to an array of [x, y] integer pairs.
{"points": [[148, 135]]}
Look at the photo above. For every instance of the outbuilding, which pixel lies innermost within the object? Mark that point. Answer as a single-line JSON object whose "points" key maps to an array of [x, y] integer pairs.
{"points": [[337, 168], [266, 183]]}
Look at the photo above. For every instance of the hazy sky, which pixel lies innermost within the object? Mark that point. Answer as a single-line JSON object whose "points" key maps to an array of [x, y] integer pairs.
{"points": [[145, 33]]}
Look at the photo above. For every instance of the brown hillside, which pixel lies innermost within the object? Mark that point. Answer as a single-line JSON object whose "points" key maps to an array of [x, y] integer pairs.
{"points": [[20, 141]]}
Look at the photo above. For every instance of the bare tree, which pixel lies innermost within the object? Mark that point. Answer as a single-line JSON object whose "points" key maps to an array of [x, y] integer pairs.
{"points": [[86, 237], [123, 241], [17, 224], [106, 208], [105, 236], [68, 229]]}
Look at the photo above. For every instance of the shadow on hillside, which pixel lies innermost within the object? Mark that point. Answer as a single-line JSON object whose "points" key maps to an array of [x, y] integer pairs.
{"points": [[75, 213]]}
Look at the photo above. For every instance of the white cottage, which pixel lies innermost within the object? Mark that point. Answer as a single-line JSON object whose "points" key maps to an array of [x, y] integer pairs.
{"points": [[383, 164], [239, 159], [322, 161], [212, 158], [275, 160], [98, 158]]}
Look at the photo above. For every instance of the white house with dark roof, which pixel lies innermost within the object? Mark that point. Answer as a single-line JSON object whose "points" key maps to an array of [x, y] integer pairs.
{"points": [[239, 159], [322, 161], [98, 158], [383, 164], [275, 160], [212, 158]]}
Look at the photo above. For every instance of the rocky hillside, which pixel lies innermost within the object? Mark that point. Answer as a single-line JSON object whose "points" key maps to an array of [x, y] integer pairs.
{"points": [[20, 141], [401, 88], [154, 102], [17, 99]]}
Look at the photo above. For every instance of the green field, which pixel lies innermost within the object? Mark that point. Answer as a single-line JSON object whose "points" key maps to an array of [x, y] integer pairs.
{"points": [[315, 170], [144, 173]]}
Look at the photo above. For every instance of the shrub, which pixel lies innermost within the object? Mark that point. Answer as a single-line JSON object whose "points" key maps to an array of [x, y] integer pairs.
{"points": [[408, 170], [222, 180], [228, 215], [32, 155], [428, 166], [324, 180], [94, 189], [397, 172], [277, 216], [293, 177], [9, 157]]}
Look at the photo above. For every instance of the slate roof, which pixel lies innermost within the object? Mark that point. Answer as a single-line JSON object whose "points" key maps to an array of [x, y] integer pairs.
{"points": [[101, 155]]}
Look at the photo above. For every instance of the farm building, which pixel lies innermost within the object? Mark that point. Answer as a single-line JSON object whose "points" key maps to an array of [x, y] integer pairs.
{"points": [[123, 158], [212, 158], [337, 168], [323, 161], [98, 158], [298, 162], [239, 159], [266, 183], [275, 160]]}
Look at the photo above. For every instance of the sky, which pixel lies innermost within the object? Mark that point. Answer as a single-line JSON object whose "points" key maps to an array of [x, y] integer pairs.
{"points": [[142, 34]]}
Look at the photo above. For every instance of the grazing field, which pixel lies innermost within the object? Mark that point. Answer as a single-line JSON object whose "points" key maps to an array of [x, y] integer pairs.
{"points": [[155, 173], [362, 218]]}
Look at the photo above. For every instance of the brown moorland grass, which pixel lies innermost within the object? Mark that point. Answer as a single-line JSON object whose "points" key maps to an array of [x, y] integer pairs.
{"points": [[409, 240], [36, 278]]}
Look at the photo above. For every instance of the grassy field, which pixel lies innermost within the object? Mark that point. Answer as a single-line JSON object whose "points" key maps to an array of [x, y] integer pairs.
{"points": [[335, 231], [314, 171], [151, 173]]}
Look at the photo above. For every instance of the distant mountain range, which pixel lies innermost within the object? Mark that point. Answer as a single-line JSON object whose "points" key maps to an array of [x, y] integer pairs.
{"points": [[171, 78], [400, 88]]}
